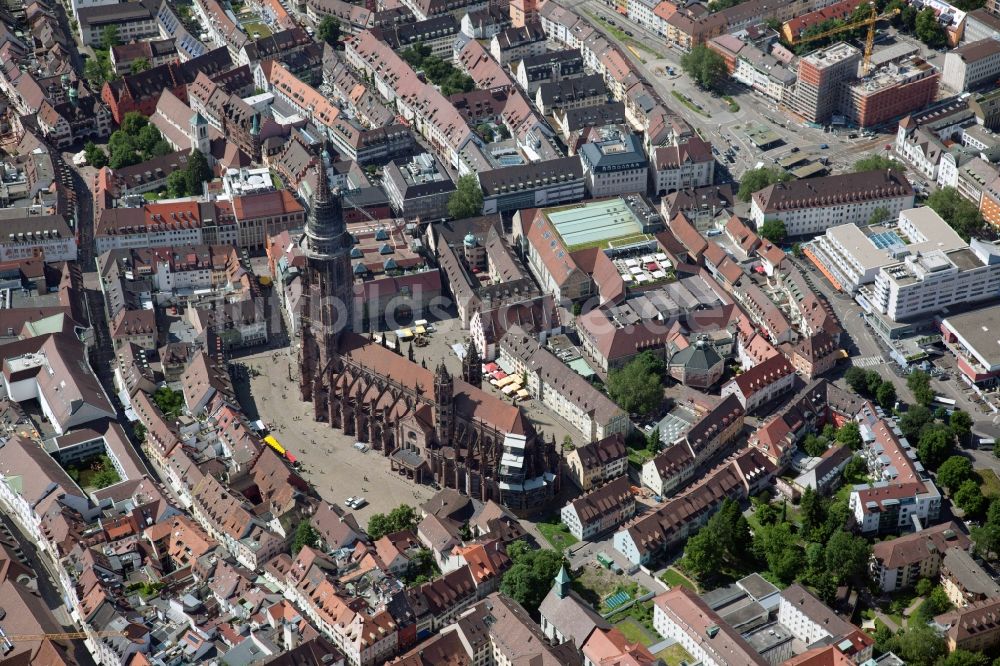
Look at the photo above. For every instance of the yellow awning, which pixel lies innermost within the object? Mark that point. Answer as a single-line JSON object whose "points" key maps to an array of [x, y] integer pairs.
{"points": [[420, 330]]}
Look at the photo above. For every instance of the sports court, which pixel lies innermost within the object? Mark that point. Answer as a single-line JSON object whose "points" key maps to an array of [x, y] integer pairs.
{"points": [[595, 224]]}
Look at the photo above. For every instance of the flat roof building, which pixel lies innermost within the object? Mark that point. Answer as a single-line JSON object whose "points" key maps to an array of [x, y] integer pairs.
{"points": [[890, 92], [851, 256], [974, 338]]}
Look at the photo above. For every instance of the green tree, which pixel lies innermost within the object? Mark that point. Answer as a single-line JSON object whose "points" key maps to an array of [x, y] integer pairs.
{"points": [[467, 199], [778, 546], [935, 445], [95, 72], [849, 435], [170, 402], [924, 587], [706, 67], [879, 215], [701, 556], [305, 535], [855, 378], [177, 184], [936, 603], [329, 31], [886, 395], [109, 37], [638, 387], [917, 645], [928, 29], [955, 471], [856, 470], [132, 123], [847, 556], [965, 658], [813, 445], [987, 536], [197, 172], [919, 383], [812, 510], [530, 576], [755, 180], [963, 215], [961, 425], [914, 420], [403, 517], [774, 231], [96, 157], [970, 499], [139, 65], [876, 162], [873, 380], [146, 140]]}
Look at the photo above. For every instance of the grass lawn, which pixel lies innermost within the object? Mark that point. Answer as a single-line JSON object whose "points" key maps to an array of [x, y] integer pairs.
{"points": [[619, 34], [733, 106], [635, 632], [991, 484], [673, 578], [686, 101], [557, 535], [254, 26], [674, 655], [151, 196], [595, 584]]}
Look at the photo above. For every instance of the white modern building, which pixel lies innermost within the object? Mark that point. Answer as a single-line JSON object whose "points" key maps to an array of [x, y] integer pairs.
{"points": [[971, 65], [851, 256], [929, 282]]}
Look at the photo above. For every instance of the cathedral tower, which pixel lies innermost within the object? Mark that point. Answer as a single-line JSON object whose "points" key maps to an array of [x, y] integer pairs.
{"points": [[327, 290], [444, 393]]}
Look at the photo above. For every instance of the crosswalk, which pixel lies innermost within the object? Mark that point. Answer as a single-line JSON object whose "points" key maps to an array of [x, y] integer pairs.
{"points": [[867, 361]]}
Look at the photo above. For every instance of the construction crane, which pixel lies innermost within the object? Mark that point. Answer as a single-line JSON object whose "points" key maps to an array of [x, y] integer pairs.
{"points": [[65, 636], [872, 19]]}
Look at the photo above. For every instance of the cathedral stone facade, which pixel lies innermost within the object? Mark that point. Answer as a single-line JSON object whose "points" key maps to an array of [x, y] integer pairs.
{"points": [[432, 426]]}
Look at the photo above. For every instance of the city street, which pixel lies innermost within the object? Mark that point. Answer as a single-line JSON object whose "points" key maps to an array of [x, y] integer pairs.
{"points": [[721, 123], [47, 589]]}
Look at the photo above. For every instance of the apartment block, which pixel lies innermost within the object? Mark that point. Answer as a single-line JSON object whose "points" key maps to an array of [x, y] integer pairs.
{"points": [[971, 65], [813, 205]]}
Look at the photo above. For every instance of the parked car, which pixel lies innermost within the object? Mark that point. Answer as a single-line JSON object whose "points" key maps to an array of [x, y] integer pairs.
{"points": [[359, 502]]}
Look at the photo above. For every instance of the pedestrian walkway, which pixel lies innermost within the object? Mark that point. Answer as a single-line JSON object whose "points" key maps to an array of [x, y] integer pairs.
{"points": [[867, 361]]}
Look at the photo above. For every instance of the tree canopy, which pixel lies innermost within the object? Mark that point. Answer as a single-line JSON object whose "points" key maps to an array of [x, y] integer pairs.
{"points": [[403, 517], [329, 31], [706, 67], [928, 29], [755, 180], [955, 471], [919, 383], [774, 231], [467, 199], [963, 215], [638, 387], [530, 576], [305, 535], [876, 162], [723, 541]]}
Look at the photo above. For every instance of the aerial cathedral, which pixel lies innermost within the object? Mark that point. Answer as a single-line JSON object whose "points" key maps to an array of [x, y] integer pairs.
{"points": [[432, 426]]}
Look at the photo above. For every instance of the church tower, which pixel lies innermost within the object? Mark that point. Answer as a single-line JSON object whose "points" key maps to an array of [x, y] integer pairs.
{"points": [[472, 365], [444, 391], [327, 291], [199, 135]]}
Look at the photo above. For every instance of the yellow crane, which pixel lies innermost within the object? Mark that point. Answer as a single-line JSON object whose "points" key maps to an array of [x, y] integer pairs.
{"points": [[872, 19], [64, 636]]}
